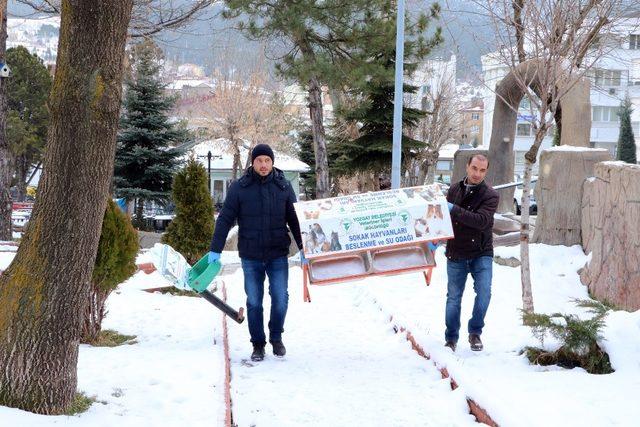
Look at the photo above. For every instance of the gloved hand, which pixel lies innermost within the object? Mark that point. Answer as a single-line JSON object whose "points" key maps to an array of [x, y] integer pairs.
{"points": [[213, 257], [433, 245], [450, 205], [303, 259]]}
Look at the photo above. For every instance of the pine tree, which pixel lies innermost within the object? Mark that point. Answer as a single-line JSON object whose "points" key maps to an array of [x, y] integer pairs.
{"points": [[190, 231], [372, 81], [115, 263], [28, 116], [146, 157], [626, 139]]}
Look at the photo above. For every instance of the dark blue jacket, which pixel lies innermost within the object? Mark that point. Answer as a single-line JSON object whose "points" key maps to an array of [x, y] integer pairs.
{"points": [[263, 208]]}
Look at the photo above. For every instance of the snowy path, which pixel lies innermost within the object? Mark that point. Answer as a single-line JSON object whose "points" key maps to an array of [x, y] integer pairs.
{"points": [[344, 366]]}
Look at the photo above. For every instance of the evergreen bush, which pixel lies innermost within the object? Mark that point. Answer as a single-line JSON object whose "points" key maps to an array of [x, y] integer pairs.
{"points": [[190, 231], [626, 139], [578, 338], [115, 263]]}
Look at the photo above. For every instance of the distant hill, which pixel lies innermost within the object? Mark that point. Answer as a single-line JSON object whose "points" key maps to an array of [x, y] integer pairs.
{"points": [[210, 42]]}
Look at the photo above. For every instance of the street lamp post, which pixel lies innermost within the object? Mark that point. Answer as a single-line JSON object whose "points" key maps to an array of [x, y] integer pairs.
{"points": [[209, 170], [397, 98]]}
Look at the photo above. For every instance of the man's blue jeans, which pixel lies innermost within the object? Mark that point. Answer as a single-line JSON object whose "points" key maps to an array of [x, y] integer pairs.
{"points": [[481, 270], [254, 274]]}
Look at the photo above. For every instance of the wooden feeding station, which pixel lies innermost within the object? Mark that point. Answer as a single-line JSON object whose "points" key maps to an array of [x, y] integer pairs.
{"points": [[372, 234]]}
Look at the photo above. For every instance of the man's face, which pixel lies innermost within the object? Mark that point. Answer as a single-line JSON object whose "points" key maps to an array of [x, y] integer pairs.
{"points": [[477, 170], [263, 165]]}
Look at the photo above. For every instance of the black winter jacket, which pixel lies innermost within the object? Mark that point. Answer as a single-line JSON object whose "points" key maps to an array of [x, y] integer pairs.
{"points": [[263, 208], [472, 219]]}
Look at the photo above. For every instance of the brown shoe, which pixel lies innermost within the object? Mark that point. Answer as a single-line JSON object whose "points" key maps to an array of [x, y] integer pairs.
{"points": [[475, 342], [451, 345]]}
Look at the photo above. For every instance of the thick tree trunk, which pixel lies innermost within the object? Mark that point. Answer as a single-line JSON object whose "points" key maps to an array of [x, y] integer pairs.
{"points": [[319, 140], [5, 154], [45, 291]]}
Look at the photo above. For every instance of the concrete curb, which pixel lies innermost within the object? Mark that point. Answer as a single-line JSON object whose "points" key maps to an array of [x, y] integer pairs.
{"points": [[476, 410]]}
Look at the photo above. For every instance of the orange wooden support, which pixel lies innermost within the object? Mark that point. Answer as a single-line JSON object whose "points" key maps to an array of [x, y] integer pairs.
{"points": [[305, 283]]}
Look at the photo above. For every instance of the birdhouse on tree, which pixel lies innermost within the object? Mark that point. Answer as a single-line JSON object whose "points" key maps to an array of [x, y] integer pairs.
{"points": [[5, 71]]}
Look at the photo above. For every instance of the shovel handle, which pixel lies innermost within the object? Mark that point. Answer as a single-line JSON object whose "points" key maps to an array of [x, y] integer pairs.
{"points": [[238, 316]]}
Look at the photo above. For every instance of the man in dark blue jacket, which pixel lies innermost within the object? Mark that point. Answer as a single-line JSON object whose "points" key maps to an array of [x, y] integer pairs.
{"points": [[261, 201]]}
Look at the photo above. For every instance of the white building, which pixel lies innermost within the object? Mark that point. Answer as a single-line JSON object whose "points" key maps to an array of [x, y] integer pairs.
{"points": [[615, 75], [429, 77]]}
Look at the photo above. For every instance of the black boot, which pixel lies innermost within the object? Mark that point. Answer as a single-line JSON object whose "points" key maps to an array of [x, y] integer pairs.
{"points": [[475, 342], [278, 348], [258, 353]]}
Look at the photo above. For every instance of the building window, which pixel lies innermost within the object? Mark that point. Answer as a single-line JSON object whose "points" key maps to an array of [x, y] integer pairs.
{"points": [[608, 77], [475, 129], [475, 116], [443, 165], [605, 114], [519, 157], [218, 191], [634, 41], [523, 129]]}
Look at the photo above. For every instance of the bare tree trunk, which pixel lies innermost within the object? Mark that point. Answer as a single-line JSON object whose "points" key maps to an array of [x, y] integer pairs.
{"points": [[45, 290], [94, 314], [236, 158], [22, 170], [140, 212], [5, 154], [525, 272], [320, 146]]}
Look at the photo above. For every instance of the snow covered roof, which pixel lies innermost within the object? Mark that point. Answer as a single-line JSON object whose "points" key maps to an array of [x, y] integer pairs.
{"points": [[447, 151], [182, 83], [223, 158], [573, 148]]}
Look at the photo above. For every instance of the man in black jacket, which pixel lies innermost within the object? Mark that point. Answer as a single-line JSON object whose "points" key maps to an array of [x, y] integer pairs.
{"points": [[262, 203], [472, 204]]}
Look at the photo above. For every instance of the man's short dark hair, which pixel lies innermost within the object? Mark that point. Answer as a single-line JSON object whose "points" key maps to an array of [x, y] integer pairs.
{"points": [[480, 157]]}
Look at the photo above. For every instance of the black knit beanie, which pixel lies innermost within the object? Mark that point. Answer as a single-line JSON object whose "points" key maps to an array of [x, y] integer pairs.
{"points": [[262, 150]]}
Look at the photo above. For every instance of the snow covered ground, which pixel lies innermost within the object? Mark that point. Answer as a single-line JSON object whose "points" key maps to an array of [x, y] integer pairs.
{"points": [[172, 376], [345, 365]]}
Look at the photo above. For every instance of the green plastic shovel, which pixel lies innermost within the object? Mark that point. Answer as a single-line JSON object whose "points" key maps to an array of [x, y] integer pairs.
{"points": [[200, 276]]}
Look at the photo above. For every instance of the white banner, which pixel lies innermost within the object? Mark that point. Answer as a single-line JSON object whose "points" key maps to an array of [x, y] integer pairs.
{"points": [[373, 220]]}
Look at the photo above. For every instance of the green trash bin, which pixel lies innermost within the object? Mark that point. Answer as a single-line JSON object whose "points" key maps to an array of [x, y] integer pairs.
{"points": [[203, 273]]}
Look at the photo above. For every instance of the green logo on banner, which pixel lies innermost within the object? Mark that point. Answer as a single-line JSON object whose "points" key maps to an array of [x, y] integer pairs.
{"points": [[404, 216], [346, 224]]}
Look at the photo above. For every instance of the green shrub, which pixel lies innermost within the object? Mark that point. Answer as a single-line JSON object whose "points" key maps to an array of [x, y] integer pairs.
{"points": [[81, 403], [190, 231], [579, 339], [115, 263]]}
